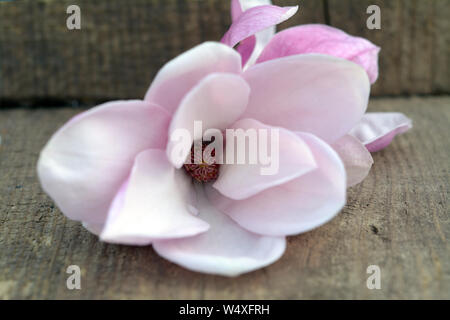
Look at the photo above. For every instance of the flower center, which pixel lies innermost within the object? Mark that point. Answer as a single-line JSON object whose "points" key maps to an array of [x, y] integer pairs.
{"points": [[203, 166]]}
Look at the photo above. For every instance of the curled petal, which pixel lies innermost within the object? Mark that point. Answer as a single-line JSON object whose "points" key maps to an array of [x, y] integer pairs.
{"points": [[217, 101], [317, 38], [181, 74], [288, 158], [246, 48], [239, 6], [251, 47], [86, 161], [153, 204], [236, 9], [254, 20], [296, 206], [226, 249], [357, 160], [377, 129], [323, 95]]}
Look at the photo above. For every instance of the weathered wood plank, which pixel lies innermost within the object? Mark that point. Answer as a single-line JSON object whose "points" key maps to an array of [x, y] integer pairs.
{"points": [[117, 52], [120, 47], [414, 40], [398, 218], [122, 44]]}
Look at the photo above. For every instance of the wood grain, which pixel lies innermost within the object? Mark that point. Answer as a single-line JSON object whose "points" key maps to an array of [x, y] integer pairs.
{"points": [[122, 44], [117, 52], [414, 40], [398, 219]]}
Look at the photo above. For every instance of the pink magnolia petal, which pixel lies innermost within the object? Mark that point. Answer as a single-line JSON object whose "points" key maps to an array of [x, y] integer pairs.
{"points": [[246, 49], [357, 160], [179, 75], [296, 206], [291, 159], [247, 46], [86, 161], [251, 47], [377, 129], [236, 9], [317, 38], [95, 228], [323, 95], [239, 6], [226, 249], [153, 204], [217, 101], [254, 20]]}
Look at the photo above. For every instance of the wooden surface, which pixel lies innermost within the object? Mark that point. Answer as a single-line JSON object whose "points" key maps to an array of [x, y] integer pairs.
{"points": [[122, 44], [414, 40], [398, 219]]}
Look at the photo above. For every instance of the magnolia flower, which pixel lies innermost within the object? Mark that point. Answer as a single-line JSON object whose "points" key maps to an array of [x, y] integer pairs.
{"points": [[113, 167]]}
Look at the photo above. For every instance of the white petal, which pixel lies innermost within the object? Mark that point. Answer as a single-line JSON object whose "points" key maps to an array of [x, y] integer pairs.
{"points": [[153, 204], [377, 129], [294, 207], [288, 154], [226, 249], [87, 160], [181, 74], [357, 159], [217, 101], [319, 94]]}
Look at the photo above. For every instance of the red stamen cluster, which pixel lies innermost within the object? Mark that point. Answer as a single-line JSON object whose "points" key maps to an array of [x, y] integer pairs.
{"points": [[203, 166]]}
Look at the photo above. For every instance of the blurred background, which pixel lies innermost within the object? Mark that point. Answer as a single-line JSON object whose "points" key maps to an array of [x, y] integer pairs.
{"points": [[122, 44]]}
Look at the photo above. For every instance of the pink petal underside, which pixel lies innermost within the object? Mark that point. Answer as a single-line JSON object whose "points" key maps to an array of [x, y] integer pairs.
{"points": [[181, 74], [246, 48], [236, 9], [357, 160], [86, 161], [290, 158], [317, 38], [314, 93], [254, 20], [296, 206], [153, 204], [217, 101], [251, 47], [377, 129], [239, 6], [226, 249]]}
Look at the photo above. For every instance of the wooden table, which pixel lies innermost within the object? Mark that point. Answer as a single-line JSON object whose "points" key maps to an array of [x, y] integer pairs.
{"points": [[398, 219]]}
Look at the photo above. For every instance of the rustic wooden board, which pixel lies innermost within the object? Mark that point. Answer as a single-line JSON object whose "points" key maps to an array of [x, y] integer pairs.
{"points": [[117, 52], [398, 218], [122, 44], [414, 40]]}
